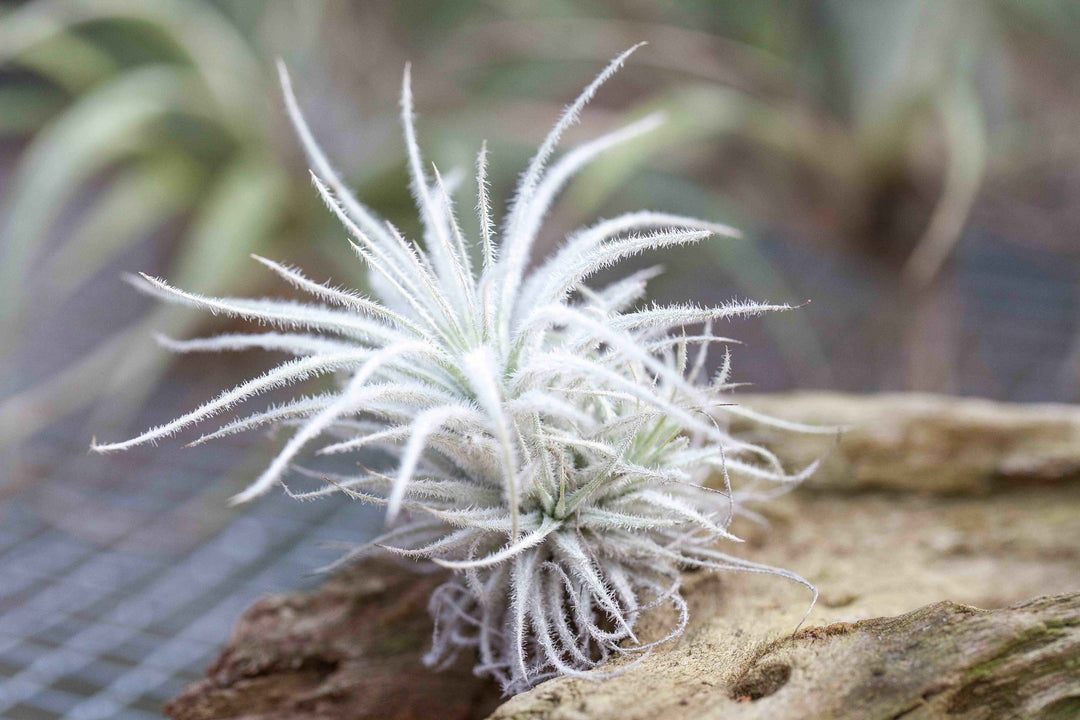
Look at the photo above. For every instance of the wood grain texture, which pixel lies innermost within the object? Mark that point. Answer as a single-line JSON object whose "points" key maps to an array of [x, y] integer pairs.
{"points": [[350, 650]]}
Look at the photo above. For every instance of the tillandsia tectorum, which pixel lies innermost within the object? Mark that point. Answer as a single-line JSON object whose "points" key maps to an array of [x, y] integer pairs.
{"points": [[551, 441]]}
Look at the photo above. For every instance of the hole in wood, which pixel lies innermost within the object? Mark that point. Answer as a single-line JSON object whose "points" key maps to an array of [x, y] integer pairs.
{"points": [[761, 681]]}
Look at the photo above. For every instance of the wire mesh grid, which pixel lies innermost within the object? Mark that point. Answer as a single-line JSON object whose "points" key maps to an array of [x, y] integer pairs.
{"points": [[112, 627]]}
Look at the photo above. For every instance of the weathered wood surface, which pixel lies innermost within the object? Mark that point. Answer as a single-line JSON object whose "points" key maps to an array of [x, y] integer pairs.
{"points": [[944, 536], [943, 660], [350, 650], [927, 443]]}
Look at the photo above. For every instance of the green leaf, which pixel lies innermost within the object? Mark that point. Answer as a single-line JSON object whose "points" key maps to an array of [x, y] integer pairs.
{"points": [[104, 126], [142, 198], [24, 109], [220, 55], [68, 61]]}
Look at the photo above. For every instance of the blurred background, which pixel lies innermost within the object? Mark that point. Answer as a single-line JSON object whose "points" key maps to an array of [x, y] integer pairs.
{"points": [[912, 168]]}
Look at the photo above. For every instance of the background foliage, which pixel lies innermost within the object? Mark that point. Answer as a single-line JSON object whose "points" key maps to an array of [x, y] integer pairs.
{"points": [[908, 166]]}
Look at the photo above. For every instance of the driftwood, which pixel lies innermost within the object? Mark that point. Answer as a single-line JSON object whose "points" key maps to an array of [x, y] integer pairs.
{"points": [[944, 660], [944, 536], [926, 443], [350, 650]]}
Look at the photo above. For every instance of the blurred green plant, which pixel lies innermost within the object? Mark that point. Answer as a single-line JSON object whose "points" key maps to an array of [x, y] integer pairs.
{"points": [[164, 110], [856, 93], [161, 108]]}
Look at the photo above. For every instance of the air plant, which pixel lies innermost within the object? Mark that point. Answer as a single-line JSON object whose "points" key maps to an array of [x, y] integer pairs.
{"points": [[552, 441]]}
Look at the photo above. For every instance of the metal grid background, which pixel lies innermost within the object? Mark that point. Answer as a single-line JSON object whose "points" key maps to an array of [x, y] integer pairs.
{"points": [[110, 616]]}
